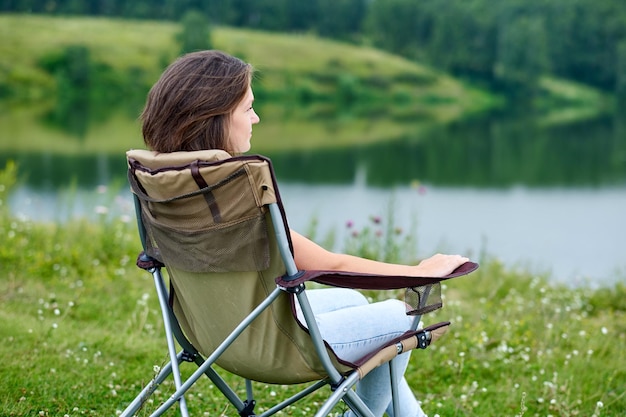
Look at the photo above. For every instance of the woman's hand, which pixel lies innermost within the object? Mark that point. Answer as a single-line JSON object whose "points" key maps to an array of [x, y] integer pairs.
{"points": [[439, 265]]}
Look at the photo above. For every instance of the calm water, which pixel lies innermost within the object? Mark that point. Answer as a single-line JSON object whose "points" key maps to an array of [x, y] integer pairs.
{"points": [[576, 235], [551, 200]]}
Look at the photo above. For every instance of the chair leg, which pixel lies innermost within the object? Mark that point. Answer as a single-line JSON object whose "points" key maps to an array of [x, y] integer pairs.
{"points": [[394, 380], [249, 392], [294, 399], [138, 402], [220, 384], [345, 392], [162, 295]]}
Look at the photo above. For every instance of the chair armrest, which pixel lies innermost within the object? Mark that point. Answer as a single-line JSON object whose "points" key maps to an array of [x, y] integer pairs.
{"points": [[364, 281]]}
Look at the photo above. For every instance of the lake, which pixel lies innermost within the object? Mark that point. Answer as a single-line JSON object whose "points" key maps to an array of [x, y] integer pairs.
{"points": [[547, 198]]}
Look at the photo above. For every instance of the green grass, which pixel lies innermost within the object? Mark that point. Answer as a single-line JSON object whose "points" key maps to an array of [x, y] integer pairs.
{"points": [[81, 332]]}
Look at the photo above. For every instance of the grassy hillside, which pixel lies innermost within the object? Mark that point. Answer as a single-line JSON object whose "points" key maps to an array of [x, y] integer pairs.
{"points": [[149, 45], [289, 67], [119, 43], [302, 86]]}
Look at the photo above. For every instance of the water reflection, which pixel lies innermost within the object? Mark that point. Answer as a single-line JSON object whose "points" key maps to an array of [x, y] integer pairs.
{"points": [[54, 172], [480, 154]]}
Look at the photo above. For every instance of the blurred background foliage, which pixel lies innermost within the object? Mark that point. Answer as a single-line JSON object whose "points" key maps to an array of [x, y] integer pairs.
{"points": [[505, 46]]}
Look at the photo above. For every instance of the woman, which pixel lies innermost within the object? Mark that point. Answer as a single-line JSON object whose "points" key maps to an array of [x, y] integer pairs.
{"points": [[204, 100]]}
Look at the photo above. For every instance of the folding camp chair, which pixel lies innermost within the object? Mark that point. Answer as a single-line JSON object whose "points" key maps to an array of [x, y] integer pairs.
{"points": [[217, 224]]}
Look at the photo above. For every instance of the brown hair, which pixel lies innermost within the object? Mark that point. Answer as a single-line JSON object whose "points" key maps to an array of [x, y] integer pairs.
{"points": [[189, 107]]}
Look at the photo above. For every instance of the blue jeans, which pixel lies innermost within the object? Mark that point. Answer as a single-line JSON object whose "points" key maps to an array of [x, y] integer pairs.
{"points": [[353, 327]]}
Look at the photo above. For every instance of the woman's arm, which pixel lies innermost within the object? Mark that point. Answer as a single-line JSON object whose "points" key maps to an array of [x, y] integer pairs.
{"points": [[309, 255]]}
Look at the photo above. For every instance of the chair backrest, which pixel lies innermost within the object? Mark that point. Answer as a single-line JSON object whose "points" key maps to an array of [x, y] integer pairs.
{"points": [[206, 218]]}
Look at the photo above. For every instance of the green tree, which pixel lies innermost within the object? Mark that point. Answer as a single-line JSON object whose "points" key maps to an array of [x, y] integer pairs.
{"points": [[221, 12], [620, 83], [195, 33], [341, 19], [72, 69], [391, 25], [464, 38], [583, 36], [302, 15], [522, 55]]}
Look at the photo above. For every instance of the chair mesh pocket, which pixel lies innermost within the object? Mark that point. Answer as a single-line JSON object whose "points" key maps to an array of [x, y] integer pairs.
{"points": [[423, 299], [236, 247]]}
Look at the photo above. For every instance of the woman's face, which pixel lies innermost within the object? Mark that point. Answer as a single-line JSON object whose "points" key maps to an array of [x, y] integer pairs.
{"points": [[241, 121]]}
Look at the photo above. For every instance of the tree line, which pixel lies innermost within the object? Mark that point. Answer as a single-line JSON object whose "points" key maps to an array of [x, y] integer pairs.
{"points": [[505, 45]]}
